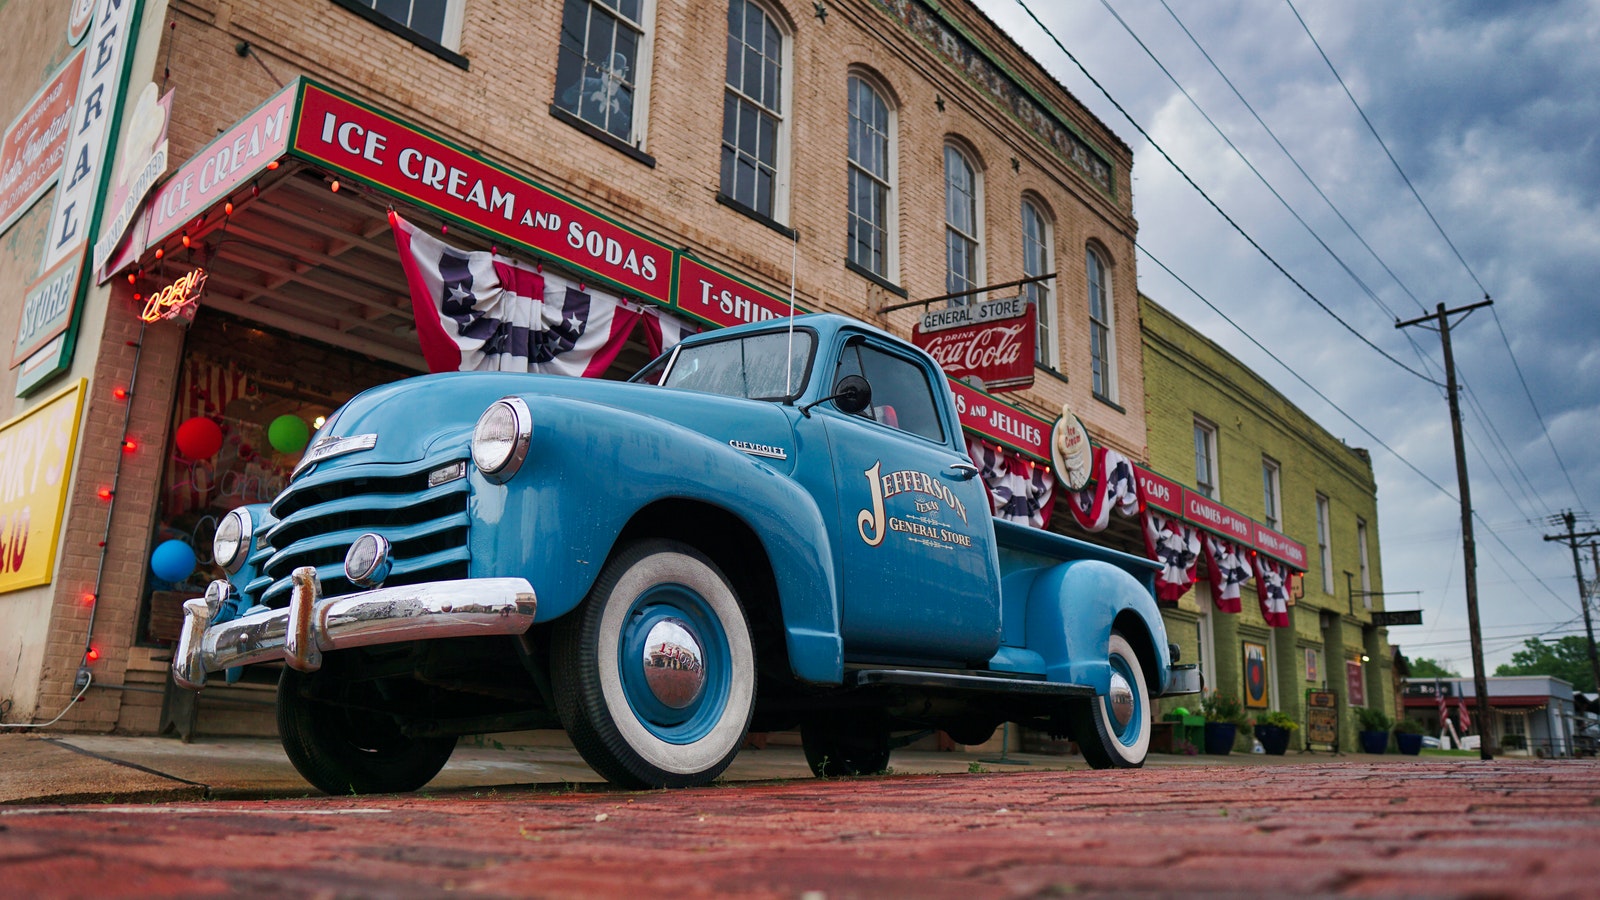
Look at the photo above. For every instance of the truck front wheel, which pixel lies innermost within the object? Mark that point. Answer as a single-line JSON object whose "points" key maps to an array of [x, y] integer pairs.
{"points": [[654, 674], [1114, 730], [344, 748]]}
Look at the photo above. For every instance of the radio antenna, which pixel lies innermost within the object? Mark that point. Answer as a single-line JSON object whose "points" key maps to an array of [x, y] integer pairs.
{"points": [[788, 360]]}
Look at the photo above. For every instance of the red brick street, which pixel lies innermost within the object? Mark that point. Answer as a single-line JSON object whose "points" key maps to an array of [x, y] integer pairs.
{"points": [[1448, 828]]}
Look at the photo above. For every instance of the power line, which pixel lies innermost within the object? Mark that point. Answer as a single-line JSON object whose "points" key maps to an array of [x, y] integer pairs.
{"points": [[1213, 204], [1385, 146], [1535, 407]]}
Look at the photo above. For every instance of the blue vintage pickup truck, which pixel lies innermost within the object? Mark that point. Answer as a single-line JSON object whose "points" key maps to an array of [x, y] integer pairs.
{"points": [[771, 526]]}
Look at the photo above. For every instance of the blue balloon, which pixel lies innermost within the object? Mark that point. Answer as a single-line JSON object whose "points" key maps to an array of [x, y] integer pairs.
{"points": [[172, 561]]}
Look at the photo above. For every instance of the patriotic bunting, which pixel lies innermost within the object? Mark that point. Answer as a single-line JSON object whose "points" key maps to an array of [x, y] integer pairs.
{"points": [[1229, 571], [1018, 490], [1272, 588], [478, 311], [1112, 484], [1176, 545]]}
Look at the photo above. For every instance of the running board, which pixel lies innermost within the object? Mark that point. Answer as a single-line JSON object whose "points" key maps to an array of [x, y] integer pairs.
{"points": [[975, 684]]}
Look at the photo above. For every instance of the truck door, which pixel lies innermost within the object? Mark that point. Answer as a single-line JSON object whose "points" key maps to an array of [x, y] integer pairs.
{"points": [[920, 571]]}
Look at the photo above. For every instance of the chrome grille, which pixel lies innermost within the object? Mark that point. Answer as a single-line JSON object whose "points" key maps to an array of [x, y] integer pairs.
{"points": [[322, 514]]}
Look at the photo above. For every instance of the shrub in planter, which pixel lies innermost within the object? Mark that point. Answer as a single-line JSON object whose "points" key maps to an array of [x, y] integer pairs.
{"points": [[1375, 727], [1224, 714], [1408, 736], [1273, 730]]}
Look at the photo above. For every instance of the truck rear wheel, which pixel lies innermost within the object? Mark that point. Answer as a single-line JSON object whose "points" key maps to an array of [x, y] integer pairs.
{"points": [[345, 749], [654, 674], [1114, 730]]}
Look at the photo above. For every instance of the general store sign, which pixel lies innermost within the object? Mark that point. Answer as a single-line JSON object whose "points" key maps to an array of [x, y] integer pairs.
{"points": [[993, 342], [46, 309], [392, 156], [35, 144], [36, 450]]}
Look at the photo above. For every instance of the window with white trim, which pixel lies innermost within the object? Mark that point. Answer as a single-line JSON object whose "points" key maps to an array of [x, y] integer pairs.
{"points": [[754, 129], [1324, 552], [1036, 259], [602, 65], [872, 179], [1271, 507], [1102, 349], [963, 241], [1205, 457]]}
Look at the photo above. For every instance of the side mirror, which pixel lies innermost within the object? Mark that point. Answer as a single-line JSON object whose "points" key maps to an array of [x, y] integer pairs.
{"points": [[852, 394]]}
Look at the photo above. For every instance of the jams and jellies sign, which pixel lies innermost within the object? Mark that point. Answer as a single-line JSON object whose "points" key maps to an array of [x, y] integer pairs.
{"points": [[993, 342], [391, 155], [36, 450], [1001, 422]]}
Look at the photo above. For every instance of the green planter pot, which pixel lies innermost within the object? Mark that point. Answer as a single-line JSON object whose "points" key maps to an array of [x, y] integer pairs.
{"points": [[1374, 741], [1274, 740], [1219, 737]]}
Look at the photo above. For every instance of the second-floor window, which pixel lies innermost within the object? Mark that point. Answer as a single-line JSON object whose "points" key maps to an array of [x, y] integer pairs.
{"points": [[871, 182], [598, 69], [1101, 347], [1269, 495], [1366, 568], [752, 111], [1324, 552], [1205, 458], [1036, 261], [962, 243]]}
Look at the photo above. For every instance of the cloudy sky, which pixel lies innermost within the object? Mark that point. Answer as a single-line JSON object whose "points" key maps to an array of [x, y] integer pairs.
{"points": [[1492, 111]]}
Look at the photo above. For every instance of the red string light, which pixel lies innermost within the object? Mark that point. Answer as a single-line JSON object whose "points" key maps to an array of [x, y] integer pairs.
{"points": [[92, 654], [272, 165], [130, 445], [104, 493], [120, 393], [227, 208], [335, 186]]}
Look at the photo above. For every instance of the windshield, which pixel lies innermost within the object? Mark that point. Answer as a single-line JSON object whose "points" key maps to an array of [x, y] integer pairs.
{"points": [[751, 367]]}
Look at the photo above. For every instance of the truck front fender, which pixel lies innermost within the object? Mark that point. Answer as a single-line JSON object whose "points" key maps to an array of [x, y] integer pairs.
{"points": [[1071, 610], [591, 468]]}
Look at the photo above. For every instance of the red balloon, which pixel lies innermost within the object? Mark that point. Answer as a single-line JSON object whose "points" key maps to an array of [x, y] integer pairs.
{"points": [[199, 438]]}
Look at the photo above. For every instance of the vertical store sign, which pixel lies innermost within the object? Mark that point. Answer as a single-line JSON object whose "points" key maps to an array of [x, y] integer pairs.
{"points": [[36, 450], [77, 197]]}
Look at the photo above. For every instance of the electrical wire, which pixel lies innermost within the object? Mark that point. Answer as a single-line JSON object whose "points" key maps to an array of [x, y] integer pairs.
{"points": [[88, 680], [1213, 204]]}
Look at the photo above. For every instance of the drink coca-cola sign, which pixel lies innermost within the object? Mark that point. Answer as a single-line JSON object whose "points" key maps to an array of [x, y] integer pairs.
{"points": [[993, 341]]}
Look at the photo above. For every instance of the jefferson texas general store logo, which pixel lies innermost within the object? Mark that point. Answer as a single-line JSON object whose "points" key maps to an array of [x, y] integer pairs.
{"points": [[921, 527]]}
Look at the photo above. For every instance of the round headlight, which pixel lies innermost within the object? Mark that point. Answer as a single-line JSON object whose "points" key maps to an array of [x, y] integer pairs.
{"points": [[230, 547], [367, 561], [500, 439]]}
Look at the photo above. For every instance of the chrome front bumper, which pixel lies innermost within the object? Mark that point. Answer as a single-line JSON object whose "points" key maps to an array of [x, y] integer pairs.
{"points": [[1180, 679], [310, 626]]}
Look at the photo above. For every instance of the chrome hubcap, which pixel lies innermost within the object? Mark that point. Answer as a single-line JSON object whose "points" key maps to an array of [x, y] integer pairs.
{"points": [[674, 663], [1121, 700]]}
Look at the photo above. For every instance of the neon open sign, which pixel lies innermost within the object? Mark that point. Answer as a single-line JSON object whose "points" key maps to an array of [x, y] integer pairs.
{"points": [[176, 298]]}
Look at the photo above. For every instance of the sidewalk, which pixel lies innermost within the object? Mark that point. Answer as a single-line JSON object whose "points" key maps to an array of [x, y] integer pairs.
{"points": [[85, 768]]}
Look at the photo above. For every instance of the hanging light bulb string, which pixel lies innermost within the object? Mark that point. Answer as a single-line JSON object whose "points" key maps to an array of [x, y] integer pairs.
{"points": [[111, 502]]}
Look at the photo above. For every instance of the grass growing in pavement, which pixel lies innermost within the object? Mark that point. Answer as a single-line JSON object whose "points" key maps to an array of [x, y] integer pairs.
{"points": [[1429, 751]]}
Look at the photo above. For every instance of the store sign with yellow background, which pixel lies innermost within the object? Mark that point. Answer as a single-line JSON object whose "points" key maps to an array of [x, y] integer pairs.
{"points": [[36, 450]]}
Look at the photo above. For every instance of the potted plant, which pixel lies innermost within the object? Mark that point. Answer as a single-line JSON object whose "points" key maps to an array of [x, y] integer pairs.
{"points": [[1224, 714], [1273, 730], [1408, 736], [1375, 727]]}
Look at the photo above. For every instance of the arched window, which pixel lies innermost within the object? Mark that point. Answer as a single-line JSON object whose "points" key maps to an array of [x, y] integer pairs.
{"points": [[871, 174], [754, 129], [963, 245], [1036, 260], [1102, 348]]}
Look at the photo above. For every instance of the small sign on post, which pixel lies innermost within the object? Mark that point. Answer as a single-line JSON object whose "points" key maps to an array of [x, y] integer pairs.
{"points": [[1322, 719], [1397, 617]]}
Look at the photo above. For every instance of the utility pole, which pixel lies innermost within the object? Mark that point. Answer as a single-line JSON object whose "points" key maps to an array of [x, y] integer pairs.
{"points": [[1571, 539], [1469, 547]]}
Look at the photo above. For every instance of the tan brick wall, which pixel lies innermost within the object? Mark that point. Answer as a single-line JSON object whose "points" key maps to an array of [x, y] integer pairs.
{"points": [[499, 107]]}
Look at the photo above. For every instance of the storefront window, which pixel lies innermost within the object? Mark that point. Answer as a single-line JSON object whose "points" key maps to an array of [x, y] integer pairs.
{"points": [[247, 402]]}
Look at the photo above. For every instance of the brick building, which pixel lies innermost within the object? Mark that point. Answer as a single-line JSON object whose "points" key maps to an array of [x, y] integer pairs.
{"points": [[1225, 433], [861, 153]]}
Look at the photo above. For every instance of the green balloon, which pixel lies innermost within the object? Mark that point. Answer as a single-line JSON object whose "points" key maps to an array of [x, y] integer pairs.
{"points": [[288, 434]]}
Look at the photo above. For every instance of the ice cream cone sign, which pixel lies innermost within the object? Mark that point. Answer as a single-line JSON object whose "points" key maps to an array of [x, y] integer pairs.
{"points": [[1070, 450]]}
